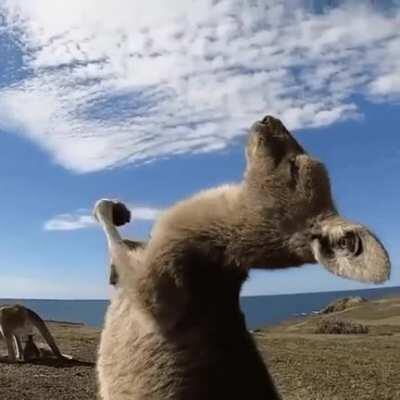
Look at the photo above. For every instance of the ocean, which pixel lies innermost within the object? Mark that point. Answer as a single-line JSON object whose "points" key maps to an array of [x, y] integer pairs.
{"points": [[259, 310]]}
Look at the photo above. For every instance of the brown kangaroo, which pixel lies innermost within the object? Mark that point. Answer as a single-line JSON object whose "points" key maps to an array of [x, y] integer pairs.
{"points": [[17, 321], [174, 328]]}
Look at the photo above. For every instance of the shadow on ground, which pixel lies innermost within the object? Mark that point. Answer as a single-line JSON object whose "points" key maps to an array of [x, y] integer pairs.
{"points": [[51, 362]]}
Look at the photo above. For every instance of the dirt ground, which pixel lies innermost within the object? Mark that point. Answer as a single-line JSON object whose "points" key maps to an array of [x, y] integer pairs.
{"points": [[306, 366], [50, 379]]}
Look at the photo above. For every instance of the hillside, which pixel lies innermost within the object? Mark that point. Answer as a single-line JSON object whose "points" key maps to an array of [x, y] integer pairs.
{"points": [[306, 366]]}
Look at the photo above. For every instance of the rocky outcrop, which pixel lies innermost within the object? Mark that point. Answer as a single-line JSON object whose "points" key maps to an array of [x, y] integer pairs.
{"points": [[343, 304]]}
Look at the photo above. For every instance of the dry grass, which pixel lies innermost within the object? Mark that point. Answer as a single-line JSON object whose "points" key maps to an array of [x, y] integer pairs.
{"points": [[334, 367], [314, 366]]}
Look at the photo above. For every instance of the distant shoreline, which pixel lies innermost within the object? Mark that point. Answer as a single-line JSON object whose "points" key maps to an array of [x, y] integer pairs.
{"points": [[60, 322], [369, 289], [259, 311]]}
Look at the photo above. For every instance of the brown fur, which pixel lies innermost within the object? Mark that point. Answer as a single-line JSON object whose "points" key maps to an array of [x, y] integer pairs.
{"points": [[16, 321], [174, 329], [31, 351], [132, 244]]}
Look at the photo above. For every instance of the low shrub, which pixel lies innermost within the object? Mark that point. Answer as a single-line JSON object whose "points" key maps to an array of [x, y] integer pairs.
{"points": [[338, 326]]}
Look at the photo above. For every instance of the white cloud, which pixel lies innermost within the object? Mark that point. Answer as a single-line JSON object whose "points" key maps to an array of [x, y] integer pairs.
{"points": [[386, 85], [81, 219], [69, 222], [145, 213], [116, 82]]}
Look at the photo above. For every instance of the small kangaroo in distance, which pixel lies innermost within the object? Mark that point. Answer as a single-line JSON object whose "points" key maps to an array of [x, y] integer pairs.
{"points": [[174, 329], [18, 321], [30, 351]]}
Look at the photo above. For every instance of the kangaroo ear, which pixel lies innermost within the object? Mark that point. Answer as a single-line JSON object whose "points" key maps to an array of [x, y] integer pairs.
{"points": [[351, 251]]}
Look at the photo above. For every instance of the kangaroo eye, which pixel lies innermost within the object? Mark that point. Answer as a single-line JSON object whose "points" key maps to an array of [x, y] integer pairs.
{"points": [[350, 243], [344, 242]]}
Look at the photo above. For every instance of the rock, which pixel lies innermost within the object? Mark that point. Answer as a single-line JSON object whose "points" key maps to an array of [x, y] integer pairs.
{"points": [[343, 304]]}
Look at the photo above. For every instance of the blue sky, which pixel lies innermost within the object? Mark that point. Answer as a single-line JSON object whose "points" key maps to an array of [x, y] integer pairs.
{"points": [[151, 105]]}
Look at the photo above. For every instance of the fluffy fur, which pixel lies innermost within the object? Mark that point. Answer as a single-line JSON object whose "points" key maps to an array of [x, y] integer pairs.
{"points": [[174, 329]]}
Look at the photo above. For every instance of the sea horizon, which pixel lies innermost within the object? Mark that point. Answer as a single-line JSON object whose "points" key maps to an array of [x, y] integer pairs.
{"points": [[259, 310], [241, 296]]}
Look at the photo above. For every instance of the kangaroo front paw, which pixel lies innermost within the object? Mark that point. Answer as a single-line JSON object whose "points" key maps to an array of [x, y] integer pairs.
{"points": [[103, 210], [120, 214], [112, 211]]}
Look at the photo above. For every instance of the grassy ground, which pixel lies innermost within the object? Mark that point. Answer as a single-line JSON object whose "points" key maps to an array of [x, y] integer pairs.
{"points": [[306, 366], [338, 367], [50, 379]]}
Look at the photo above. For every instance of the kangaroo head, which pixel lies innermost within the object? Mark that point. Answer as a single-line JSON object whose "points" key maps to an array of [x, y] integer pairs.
{"points": [[292, 190]]}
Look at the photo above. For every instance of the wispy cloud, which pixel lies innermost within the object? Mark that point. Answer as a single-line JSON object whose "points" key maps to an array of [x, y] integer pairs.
{"points": [[110, 83], [82, 219], [69, 222]]}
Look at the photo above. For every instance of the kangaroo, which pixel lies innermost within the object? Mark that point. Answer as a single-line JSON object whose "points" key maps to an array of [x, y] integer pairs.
{"points": [[174, 328], [16, 321], [131, 244], [30, 351]]}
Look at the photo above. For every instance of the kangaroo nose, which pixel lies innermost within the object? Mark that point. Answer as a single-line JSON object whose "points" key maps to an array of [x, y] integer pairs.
{"points": [[267, 119]]}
